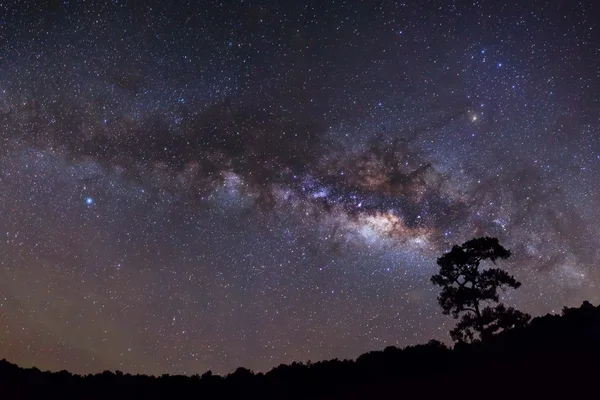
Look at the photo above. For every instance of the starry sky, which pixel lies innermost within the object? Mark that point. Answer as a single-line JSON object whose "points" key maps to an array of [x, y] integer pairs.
{"points": [[205, 185]]}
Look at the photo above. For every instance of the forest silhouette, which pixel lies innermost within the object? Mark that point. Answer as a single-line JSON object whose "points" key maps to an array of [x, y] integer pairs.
{"points": [[499, 353]]}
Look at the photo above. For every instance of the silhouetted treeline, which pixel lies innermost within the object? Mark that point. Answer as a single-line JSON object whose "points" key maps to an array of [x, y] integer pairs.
{"points": [[552, 357]]}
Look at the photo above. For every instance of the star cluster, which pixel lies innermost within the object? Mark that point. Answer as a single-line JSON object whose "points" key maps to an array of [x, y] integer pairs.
{"points": [[246, 183]]}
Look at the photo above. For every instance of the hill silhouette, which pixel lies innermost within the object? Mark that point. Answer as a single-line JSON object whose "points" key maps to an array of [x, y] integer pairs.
{"points": [[553, 356]]}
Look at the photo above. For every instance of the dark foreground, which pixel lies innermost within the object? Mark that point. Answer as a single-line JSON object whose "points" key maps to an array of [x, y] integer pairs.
{"points": [[553, 357]]}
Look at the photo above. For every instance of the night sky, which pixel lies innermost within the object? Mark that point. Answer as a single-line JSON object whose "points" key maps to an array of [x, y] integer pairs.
{"points": [[249, 183]]}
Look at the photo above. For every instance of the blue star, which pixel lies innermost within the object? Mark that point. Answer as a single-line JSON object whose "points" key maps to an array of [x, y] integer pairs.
{"points": [[89, 201]]}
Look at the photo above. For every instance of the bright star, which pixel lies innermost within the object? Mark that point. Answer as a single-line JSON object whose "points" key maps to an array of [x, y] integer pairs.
{"points": [[89, 201]]}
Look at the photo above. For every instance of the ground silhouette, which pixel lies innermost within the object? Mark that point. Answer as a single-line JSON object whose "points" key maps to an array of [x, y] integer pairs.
{"points": [[553, 356]]}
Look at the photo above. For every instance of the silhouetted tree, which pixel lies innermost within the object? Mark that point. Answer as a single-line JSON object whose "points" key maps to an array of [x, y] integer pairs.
{"points": [[468, 290]]}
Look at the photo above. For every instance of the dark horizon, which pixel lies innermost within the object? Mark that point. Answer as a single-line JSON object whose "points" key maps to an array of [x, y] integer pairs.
{"points": [[517, 362]]}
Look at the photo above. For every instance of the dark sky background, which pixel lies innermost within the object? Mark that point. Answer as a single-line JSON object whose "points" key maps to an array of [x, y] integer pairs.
{"points": [[205, 185]]}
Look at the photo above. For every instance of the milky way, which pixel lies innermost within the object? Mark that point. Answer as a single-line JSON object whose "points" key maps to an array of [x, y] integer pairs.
{"points": [[245, 183]]}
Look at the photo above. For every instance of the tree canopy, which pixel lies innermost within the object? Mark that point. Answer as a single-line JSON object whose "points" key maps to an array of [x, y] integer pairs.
{"points": [[469, 292]]}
